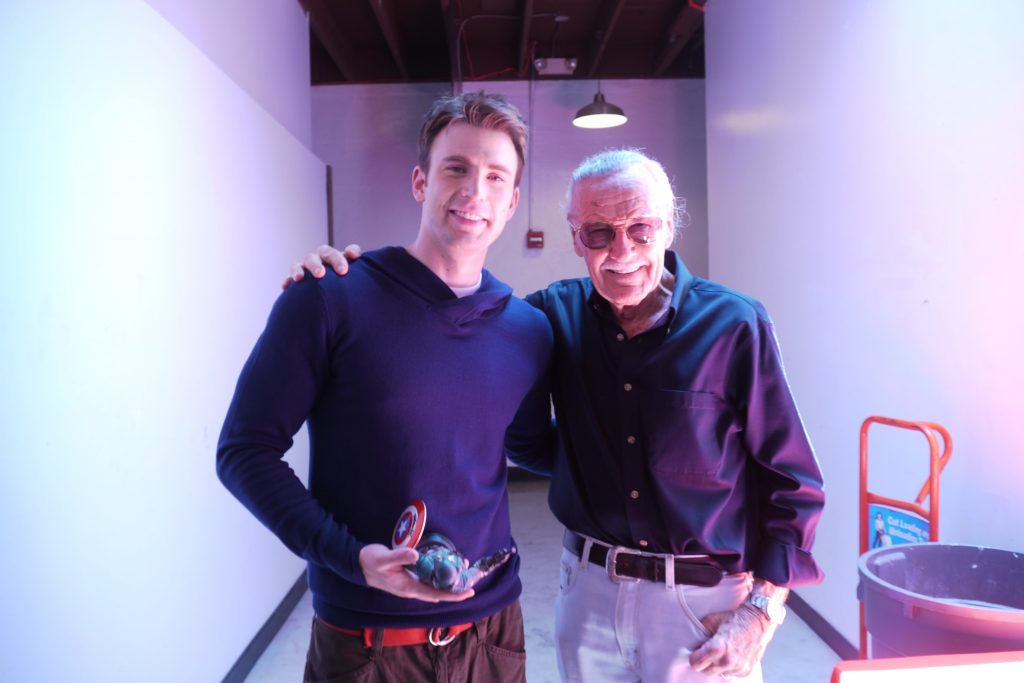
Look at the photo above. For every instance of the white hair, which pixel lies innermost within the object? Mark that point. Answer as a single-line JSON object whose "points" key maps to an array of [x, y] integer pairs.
{"points": [[613, 161]]}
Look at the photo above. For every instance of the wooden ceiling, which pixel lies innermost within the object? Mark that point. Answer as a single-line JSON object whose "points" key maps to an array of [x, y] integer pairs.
{"points": [[396, 41]]}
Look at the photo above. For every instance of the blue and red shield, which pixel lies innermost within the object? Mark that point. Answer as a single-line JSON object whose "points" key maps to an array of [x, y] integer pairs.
{"points": [[410, 525]]}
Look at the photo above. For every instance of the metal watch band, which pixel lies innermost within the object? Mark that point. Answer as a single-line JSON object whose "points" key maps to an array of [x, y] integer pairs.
{"points": [[771, 609]]}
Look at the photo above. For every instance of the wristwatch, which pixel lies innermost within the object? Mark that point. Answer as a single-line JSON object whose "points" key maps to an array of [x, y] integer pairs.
{"points": [[771, 609]]}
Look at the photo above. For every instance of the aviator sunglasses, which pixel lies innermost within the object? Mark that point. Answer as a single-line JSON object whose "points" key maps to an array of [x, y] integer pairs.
{"points": [[598, 235]]}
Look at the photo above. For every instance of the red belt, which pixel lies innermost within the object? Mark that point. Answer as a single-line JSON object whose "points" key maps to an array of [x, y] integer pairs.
{"points": [[439, 635]]}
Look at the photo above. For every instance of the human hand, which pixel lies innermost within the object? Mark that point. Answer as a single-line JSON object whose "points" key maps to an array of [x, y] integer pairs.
{"points": [[738, 642], [384, 568], [315, 261]]}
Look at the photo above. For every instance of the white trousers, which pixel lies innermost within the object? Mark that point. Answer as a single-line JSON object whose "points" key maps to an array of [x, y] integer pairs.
{"points": [[636, 632]]}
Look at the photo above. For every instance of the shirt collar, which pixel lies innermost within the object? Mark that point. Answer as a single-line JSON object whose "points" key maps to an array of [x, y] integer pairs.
{"points": [[684, 279]]}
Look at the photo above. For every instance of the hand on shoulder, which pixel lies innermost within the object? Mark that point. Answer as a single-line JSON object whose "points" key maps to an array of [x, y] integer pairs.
{"points": [[315, 262]]}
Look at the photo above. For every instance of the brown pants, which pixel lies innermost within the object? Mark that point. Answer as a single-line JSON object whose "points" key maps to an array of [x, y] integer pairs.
{"points": [[493, 651]]}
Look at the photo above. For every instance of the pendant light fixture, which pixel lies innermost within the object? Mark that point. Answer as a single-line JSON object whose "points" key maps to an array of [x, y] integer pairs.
{"points": [[599, 113]]}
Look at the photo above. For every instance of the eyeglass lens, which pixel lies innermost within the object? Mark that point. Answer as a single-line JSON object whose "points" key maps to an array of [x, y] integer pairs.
{"points": [[600, 235]]}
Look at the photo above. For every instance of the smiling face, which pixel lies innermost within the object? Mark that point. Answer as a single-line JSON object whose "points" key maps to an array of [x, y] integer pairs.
{"points": [[469, 192], [623, 272]]}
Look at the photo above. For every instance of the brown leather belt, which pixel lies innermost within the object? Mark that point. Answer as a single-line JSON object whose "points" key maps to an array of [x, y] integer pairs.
{"points": [[439, 636], [626, 564]]}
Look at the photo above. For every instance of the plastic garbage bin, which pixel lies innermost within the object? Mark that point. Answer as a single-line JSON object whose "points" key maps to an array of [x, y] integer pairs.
{"points": [[933, 598]]}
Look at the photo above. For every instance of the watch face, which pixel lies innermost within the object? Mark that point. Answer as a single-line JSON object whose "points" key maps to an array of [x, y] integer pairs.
{"points": [[771, 609]]}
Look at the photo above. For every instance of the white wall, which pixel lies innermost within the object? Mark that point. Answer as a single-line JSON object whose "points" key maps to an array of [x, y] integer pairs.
{"points": [[368, 134], [865, 165], [147, 205], [262, 45]]}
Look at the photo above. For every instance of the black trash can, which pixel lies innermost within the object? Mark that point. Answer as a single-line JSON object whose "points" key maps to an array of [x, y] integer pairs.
{"points": [[933, 598]]}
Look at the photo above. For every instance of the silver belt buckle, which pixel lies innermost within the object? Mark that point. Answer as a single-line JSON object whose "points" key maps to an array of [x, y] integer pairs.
{"points": [[609, 563], [436, 639]]}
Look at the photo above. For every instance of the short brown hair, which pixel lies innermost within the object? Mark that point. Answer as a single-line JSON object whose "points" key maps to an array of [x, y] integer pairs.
{"points": [[477, 109]]}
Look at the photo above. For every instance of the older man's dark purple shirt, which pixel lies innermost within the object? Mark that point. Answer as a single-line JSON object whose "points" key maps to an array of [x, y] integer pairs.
{"points": [[686, 438]]}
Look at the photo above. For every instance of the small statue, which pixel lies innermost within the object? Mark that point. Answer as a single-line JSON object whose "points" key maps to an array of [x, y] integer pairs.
{"points": [[440, 565], [443, 567]]}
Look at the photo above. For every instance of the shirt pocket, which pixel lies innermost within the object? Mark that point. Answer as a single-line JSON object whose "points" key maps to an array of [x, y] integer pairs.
{"points": [[687, 433]]}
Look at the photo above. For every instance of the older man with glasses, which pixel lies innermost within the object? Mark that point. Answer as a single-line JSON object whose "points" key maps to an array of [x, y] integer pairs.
{"points": [[684, 477]]}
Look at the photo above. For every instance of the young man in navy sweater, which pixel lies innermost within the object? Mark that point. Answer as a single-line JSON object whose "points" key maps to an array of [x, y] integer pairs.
{"points": [[410, 371]]}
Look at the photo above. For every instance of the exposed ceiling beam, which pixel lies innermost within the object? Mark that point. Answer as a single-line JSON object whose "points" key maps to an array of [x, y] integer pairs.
{"points": [[682, 30], [524, 39], [451, 30], [328, 31], [603, 36], [389, 26]]}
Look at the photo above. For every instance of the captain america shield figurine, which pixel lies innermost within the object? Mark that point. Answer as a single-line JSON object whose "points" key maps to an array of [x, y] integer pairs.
{"points": [[440, 565]]}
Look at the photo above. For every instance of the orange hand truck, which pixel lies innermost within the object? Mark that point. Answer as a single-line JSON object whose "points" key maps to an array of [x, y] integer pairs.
{"points": [[929, 490]]}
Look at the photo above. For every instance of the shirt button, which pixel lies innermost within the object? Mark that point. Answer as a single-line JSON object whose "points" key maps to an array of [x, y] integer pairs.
{"points": [[634, 494], [643, 543], [627, 386], [631, 440], [620, 336]]}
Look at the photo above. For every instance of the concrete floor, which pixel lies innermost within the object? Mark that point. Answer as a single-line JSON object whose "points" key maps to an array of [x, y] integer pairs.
{"points": [[796, 655]]}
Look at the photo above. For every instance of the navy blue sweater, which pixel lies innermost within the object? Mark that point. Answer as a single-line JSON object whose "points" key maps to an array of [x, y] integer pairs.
{"points": [[408, 392]]}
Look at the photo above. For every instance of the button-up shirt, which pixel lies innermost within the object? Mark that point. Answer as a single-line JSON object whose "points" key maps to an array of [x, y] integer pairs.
{"points": [[684, 439]]}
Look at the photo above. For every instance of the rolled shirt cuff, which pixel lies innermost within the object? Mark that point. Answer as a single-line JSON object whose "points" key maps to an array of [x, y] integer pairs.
{"points": [[786, 565]]}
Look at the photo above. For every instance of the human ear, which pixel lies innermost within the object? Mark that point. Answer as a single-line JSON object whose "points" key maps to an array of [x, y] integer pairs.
{"points": [[671, 234], [515, 202], [419, 184], [576, 246]]}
